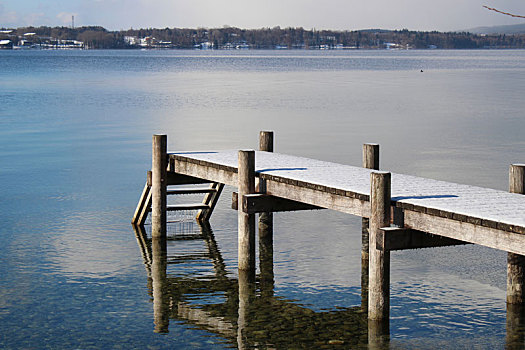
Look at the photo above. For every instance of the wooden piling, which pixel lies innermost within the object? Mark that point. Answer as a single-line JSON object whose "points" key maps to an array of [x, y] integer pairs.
{"points": [[158, 186], [379, 268], [371, 156], [516, 262], [246, 222], [370, 161], [266, 226]]}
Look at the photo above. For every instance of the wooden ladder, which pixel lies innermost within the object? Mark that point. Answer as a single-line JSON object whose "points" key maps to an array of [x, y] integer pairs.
{"points": [[211, 191]]}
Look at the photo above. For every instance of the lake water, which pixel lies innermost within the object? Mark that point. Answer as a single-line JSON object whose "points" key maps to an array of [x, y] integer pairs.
{"points": [[75, 145]]}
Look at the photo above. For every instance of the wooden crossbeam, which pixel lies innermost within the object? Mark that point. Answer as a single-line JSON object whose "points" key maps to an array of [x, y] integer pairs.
{"points": [[263, 203], [179, 179], [395, 238], [185, 206], [178, 191]]}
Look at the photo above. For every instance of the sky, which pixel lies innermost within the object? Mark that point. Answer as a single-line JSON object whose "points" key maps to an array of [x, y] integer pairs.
{"points": [[441, 15]]}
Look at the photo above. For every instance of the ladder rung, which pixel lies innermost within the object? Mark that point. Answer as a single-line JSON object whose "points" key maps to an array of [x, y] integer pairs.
{"points": [[191, 206], [190, 190]]}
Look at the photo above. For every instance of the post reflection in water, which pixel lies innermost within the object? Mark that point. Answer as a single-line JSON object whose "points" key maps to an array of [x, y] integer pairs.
{"points": [[241, 312], [379, 334], [266, 253], [515, 338], [160, 284], [246, 299]]}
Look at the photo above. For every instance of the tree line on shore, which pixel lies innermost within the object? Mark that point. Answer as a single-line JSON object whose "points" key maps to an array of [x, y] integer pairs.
{"points": [[267, 38]]}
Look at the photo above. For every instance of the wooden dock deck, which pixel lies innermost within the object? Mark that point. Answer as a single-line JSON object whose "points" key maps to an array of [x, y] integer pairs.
{"points": [[488, 217], [404, 211]]}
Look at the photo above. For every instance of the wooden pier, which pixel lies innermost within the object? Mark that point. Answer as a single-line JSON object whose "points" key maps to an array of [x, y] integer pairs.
{"points": [[403, 212]]}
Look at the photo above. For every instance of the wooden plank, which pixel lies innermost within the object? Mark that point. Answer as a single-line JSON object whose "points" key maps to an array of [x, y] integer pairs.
{"points": [[207, 171], [177, 191], [210, 200], [186, 206], [395, 238], [259, 203], [461, 202], [465, 231], [318, 198], [142, 204], [145, 210]]}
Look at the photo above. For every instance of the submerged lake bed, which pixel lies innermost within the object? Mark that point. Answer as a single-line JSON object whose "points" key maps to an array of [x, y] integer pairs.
{"points": [[76, 145]]}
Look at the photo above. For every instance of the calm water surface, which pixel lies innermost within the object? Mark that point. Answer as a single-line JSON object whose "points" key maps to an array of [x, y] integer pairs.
{"points": [[75, 134]]}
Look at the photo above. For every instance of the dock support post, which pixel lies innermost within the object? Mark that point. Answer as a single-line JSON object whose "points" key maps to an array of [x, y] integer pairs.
{"points": [[266, 226], [158, 186], [370, 161], [379, 269], [246, 222], [516, 262]]}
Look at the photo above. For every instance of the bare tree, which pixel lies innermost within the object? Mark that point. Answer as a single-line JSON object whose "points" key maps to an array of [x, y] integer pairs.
{"points": [[505, 13]]}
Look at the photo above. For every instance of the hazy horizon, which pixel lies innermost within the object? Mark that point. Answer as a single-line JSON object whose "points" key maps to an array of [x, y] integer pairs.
{"points": [[423, 15]]}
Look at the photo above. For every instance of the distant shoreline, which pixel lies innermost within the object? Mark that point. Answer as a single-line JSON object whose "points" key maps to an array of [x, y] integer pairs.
{"points": [[231, 38]]}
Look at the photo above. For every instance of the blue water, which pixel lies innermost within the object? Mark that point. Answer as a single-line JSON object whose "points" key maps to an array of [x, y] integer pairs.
{"points": [[75, 143]]}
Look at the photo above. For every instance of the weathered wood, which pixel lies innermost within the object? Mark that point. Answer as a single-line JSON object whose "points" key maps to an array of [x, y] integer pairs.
{"points": [[158, 186], [465, 231], [517, 178], [395, 238], [142, 205], [260, 203], [319, 198], [266, 227], [145, 210], [210, 200], [207, 172], [266, 141], [379, 268], [178, 191], [516, 262], [186, 206], [370, 161], [246, 222], [371, 156]]}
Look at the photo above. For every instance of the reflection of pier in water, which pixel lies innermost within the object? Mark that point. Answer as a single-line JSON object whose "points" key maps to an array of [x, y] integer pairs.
{"points": [[244, 312]]}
